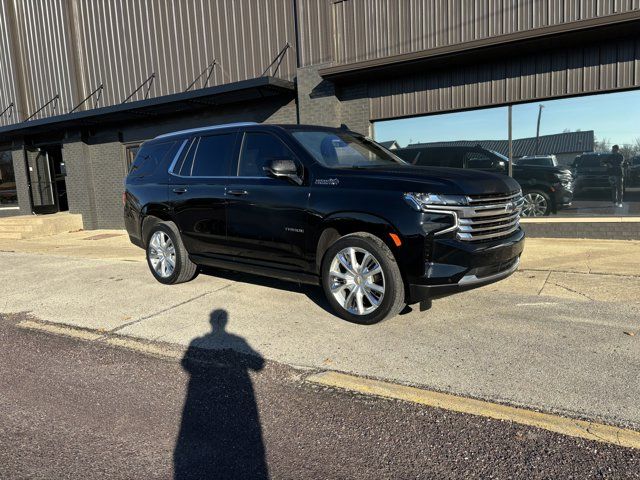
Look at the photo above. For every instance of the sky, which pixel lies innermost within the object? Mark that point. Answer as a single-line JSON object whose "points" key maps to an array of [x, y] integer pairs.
{"points": [[614, 116]]}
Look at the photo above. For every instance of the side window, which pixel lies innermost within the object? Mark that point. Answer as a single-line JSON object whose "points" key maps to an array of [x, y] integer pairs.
{"points": [[258, 149], [150, 156], [209, 156]]}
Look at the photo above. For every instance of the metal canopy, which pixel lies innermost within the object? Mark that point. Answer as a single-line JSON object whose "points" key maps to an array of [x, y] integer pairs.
{"points": [[245, 90]]}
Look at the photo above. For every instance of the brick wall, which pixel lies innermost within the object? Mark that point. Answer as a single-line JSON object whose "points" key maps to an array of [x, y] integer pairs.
{"points": [[595, 230], [109, 170], [285, 114], [317, 99], [79, 182], [355, 108], [322, 103]]}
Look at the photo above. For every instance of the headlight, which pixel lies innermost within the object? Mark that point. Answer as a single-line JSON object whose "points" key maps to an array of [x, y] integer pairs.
{"points": [[423, 201]]}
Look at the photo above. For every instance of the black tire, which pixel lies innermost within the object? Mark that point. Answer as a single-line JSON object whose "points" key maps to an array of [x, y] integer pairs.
{"points": [[393, 300], [547, 199], [185, 270]]}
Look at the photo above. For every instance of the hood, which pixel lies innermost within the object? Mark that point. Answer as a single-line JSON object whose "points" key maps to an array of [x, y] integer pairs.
{"points": [[451, 181]]}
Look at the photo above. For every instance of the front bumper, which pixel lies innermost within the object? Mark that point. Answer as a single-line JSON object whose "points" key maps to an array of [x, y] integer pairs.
{"points": [[457, 266], [563, 196]]}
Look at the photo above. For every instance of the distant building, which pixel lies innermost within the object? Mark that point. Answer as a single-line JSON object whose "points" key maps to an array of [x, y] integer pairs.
{"points": [[390, 145], [565, 146]]}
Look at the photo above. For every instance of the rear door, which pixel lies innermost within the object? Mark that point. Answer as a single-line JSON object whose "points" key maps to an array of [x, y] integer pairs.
{"points": [[197, 192], [266, 217]]}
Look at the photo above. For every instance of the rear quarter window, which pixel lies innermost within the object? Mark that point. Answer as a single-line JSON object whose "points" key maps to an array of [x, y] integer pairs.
{"points": [[151, 156]]}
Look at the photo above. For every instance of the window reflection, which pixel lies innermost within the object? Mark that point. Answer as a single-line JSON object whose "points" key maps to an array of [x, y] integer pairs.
{"points": [[8, 194], [572, 157]]}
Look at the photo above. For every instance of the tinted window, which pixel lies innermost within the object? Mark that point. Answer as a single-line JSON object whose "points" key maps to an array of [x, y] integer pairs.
{"points": [[258, 149], [211, 156], [479, 161], [439, 157], [535, 161], [150, 156], [590, 161]]}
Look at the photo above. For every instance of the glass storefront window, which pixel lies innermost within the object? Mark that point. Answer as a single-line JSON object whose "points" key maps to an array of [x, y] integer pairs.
{"points": [[8, 194], [573, 157]]}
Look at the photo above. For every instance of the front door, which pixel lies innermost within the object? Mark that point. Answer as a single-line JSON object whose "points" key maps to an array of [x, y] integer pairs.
{"points": [[41, 181], [266, 217]]}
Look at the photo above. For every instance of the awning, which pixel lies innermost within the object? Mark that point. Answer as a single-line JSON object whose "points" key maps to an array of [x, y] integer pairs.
{"points": [[252, 89]]}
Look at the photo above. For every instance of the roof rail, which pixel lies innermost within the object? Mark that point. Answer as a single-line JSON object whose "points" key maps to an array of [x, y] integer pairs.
{"points": [[206, 129]]}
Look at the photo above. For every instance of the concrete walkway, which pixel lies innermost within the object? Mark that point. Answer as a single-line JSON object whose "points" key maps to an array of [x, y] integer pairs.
{"points": [[553, 336]]}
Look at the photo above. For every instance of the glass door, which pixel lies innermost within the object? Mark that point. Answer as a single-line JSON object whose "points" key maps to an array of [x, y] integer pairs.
{"points": [[43, 194]]}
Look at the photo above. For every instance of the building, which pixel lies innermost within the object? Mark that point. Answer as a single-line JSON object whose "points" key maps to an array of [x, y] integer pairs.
{"points": [[565, 146], [390, 144], [84, 82]]}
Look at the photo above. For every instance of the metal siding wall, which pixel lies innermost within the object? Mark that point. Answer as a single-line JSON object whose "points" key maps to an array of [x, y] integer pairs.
{"points": [[70, 47], [177, 40], [593, 68], [44, 46], [7, 68], [370, 29]]}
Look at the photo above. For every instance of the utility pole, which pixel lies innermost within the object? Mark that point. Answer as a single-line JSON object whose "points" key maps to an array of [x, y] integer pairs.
{"points": [[510, 140], [538, 129]]}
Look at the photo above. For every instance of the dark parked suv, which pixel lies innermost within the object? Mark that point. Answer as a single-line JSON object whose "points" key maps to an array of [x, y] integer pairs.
{"points": [[546, 188], [321, 206]]}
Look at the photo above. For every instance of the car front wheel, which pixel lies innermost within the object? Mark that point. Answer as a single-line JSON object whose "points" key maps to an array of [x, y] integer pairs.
{"points": [[361, 279], [536, 204]]}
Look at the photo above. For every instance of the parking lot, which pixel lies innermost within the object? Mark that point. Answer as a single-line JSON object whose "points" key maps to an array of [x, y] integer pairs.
{"points": [[561, 335]]}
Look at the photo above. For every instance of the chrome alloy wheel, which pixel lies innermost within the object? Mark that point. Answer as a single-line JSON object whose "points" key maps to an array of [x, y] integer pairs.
{"points": [[162, 254], [357, 280], [535, 205]]}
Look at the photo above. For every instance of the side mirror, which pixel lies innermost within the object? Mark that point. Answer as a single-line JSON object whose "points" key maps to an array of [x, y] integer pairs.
{"points": [[284, 168]]}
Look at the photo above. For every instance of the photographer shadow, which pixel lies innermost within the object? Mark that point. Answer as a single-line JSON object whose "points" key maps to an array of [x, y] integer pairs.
{"points": [[220, 434]]}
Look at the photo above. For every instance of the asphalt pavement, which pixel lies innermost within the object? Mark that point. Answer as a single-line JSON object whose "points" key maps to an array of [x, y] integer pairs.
{"points": [[76, 409], [556, 341]]}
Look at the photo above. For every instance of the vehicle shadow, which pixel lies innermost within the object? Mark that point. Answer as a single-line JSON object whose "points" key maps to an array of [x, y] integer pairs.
{"points": [[220, 433], [313, 293]]}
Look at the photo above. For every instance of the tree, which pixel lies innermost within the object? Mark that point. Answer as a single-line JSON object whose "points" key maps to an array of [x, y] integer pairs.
{"points": [[601, 146]]}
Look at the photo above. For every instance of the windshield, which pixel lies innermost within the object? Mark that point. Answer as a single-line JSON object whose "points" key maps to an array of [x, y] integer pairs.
{"points": [[345, 150]]}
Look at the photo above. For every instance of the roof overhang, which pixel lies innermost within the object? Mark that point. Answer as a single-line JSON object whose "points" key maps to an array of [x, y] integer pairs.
{"points": [[246, 90], [486, 49]]}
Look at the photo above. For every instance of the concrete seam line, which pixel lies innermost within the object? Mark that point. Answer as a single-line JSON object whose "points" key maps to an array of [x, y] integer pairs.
{"points": [[554, 423], [65, 330], [155, 314], [149, 348], [574, 272]]}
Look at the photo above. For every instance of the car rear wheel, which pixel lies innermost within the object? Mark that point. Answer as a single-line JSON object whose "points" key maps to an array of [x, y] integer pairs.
{"points": [[167, 258], [361, 279], [536, 204]]}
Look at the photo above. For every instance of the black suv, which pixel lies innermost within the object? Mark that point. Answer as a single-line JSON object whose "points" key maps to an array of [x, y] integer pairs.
{"points": [[546, 188], [591, 172], [321, 206]]}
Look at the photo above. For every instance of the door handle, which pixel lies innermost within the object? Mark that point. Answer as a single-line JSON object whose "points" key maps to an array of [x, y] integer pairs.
{"points": [[179, 190], [237, 193]]}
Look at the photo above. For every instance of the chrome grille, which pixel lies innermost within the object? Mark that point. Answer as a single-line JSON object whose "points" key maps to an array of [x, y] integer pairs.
{"points": [[488, 217]]}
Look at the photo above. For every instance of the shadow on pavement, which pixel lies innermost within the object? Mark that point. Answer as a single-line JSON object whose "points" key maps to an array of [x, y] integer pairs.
{"points": [[220, 434], [313, 293]]}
